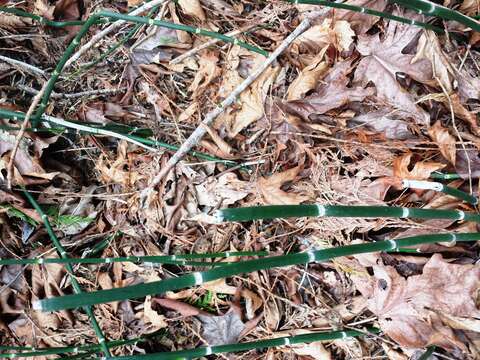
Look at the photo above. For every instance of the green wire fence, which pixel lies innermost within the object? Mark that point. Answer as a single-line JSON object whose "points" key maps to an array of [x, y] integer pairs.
{"points": [[260, 344], [28, 351], [86, 300], [318, 210], [198, 278]]}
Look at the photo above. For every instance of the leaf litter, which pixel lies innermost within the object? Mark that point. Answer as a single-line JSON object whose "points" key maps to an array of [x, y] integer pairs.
{"points": [[353, 105]]}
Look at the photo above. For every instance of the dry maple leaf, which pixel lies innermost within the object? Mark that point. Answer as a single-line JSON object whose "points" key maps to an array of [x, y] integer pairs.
{"points": [[272, 194], [383, 60], [444, 141], [408, 308], [330, 94], [421, 170]]}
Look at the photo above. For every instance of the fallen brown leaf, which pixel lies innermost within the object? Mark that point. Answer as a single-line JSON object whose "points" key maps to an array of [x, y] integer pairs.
{"points": [[383, 60], [330, 94], [445, 142], [407, 308], [271, 192]]}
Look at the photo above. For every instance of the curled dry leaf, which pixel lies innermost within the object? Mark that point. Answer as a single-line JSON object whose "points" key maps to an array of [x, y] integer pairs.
{"points": [[421, 170], [383, 60], [192, 8], [227, 189], [25, 164], [308, 78], [330, 94], [408, 309], [151, 317], [271, 192], [444, 141]]}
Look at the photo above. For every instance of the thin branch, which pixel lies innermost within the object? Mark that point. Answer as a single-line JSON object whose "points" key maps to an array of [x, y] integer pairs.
{"points": [[55, 95], [200, 131], [24, 66], [97, 37], [31, 109]]}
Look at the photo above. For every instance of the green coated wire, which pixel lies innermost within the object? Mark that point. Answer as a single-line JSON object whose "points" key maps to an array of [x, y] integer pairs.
{"points": [[318, 210], [129, 132], [242, 267], [182, 259], [28, 351], [42, 20], [75, 284], [260, 344], [430, 8], [365, 10]]}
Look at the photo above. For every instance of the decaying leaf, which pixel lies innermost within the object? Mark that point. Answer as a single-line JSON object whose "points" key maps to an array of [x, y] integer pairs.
{"points": [[207, 72], [429, 48], [338, 33], [150, 316], [25, 164], [445, 142], [383, 60], [468, 163]]}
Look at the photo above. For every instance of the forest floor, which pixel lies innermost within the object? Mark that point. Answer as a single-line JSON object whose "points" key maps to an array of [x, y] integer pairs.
{"points": [[352, 105]]}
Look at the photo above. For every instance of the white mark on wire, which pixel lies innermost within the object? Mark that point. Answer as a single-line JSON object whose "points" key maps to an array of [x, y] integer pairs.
{"points": [[311, 256], [393, 244], [198, 278], [321, 211]]}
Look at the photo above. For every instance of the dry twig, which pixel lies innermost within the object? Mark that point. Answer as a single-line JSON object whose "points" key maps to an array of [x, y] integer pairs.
{"points": [[31, 109]]}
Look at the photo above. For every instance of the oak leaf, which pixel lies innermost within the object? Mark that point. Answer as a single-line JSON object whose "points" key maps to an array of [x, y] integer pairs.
{"points": [[384, 59], [408, 309], [271, 192], [330, 94]]}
